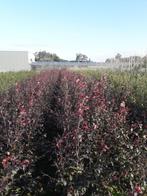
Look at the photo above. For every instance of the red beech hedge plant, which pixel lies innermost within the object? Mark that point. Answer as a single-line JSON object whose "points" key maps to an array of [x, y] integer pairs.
{"points": [[65, 134]]}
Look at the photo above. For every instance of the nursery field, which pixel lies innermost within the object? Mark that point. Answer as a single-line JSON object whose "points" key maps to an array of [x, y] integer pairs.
{"points": [[73, 133]]}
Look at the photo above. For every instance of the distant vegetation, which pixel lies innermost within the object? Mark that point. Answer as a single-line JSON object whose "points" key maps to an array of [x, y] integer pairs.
{"points": [[46, 56], [136, 62], [82, 58], [52, 57]]}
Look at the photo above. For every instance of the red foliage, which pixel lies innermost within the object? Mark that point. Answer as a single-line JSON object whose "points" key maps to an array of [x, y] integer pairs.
{"points": [[63, 133]]}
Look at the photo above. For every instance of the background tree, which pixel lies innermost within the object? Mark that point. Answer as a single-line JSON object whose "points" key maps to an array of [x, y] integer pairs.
{"points": [[81, 58], [46, 56], [118, 56], [145, 63], [108, 60]]}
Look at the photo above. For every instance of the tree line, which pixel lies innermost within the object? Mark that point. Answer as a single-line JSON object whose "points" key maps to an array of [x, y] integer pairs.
{"points": [[44, 56]]}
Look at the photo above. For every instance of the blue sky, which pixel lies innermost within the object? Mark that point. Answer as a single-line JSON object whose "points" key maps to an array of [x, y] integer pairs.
{"points": [[97, 28]]}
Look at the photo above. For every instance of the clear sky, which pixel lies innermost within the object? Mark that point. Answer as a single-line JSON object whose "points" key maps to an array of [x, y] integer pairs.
{"points": [[97, 28]]}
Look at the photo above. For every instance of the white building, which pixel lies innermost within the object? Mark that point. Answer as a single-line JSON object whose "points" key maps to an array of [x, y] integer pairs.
{"points": [[14, 61]]}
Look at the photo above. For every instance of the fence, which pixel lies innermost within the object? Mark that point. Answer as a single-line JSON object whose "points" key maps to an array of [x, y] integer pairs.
{"points": [[92, 65]]}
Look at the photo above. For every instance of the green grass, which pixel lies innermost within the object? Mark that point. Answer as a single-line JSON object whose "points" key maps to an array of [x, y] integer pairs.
{"points": [[8, 79]]}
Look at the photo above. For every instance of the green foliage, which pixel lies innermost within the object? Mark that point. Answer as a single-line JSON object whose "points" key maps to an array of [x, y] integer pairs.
{"points": [[10, 78]]}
